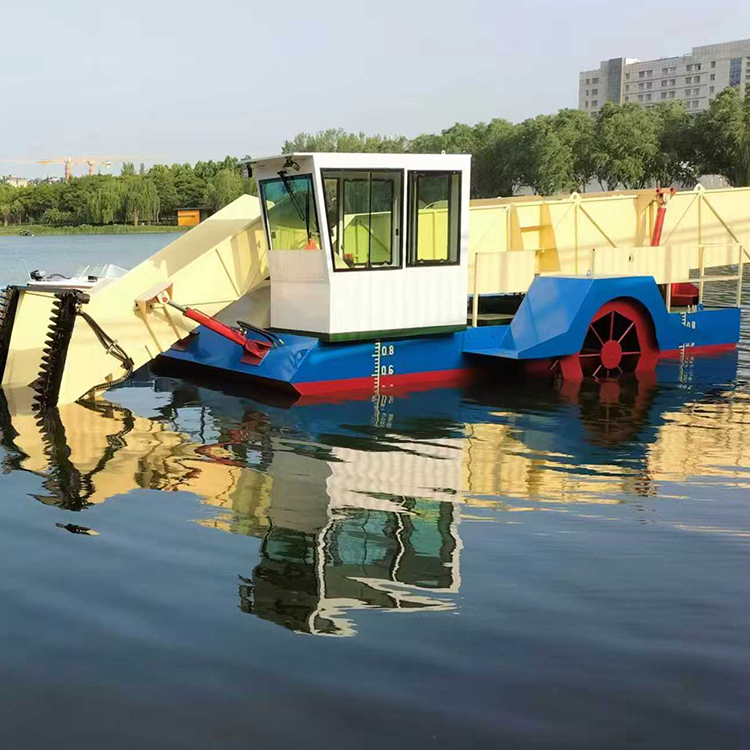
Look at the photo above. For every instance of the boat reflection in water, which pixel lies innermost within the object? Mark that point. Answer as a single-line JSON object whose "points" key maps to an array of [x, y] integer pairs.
{"points": [[359, 504], [308, 579]]}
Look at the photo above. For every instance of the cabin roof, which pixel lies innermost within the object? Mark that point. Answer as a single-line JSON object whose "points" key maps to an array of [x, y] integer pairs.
{"points": [[339, 159]]}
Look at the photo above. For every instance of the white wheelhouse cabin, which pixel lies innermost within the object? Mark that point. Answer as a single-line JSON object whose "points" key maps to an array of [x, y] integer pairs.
{"points": [[366, 245]]}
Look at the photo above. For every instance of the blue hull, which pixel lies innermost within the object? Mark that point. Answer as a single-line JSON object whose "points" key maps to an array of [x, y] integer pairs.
{"points": [[552, 322]]}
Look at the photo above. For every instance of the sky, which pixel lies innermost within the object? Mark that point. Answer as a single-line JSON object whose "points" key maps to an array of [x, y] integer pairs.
{"points": [[182, 81]]}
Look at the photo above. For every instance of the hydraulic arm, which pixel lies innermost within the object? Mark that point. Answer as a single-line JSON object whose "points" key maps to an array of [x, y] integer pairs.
{"points": [[66, 343]]}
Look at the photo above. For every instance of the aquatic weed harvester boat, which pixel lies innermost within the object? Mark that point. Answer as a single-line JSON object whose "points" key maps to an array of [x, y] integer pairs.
{"points": [[370, 273]]}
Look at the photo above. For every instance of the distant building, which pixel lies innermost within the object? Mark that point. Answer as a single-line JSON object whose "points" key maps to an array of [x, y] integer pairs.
{"points": [[695, 78], [190, 217], [15, 181]]}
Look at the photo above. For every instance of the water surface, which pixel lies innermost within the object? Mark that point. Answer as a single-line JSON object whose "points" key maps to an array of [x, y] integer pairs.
{"points": [[527, 567], [65, 253]]}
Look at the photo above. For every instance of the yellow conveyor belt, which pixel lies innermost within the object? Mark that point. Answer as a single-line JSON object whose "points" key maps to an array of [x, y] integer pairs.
{"points": [[56, 351]]}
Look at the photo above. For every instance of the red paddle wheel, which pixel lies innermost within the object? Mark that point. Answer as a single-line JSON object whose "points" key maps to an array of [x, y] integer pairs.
{"points": [[619, 339]]}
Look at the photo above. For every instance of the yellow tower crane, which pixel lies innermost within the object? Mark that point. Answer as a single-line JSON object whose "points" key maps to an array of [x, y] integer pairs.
{"points": [[92, 161]]}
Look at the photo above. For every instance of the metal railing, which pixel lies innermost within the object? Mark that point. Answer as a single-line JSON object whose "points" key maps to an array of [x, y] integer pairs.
{"points": [[702, 279], [475, 293]]}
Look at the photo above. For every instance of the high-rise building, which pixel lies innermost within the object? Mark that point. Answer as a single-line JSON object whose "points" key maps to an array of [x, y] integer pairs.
{"points": [[14, 181], [695, 78]]}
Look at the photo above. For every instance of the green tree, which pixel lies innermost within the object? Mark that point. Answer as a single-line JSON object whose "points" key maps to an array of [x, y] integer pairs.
{"points": [[547, 163], [164, 181], [6, 198], [250, 186], [128, 169], [429, 143], [38, 198], [492, 146], [723, 138], [55, 217], [626, 146], [676, 158], [17, 212], [75, 200], [223, 189], [189, 186], [206, 169], [141, 200], [458, 139], [496, 166], [104, 200], [338, 140], [230, 162], [576, 131]]}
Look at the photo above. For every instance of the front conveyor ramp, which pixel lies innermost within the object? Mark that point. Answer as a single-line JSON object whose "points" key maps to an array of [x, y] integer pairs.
{"points": [[208, 268]]}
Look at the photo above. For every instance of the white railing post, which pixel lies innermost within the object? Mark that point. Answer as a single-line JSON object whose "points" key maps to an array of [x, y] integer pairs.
{"points": [[668, 294], [740, 262], [701, 272], [475, 298]]}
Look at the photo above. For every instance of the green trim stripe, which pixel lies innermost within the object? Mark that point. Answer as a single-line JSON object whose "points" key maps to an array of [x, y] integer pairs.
{"points": [[397, 333]]}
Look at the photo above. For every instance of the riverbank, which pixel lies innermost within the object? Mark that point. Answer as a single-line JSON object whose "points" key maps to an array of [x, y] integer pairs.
{"points": [[40, 229]]}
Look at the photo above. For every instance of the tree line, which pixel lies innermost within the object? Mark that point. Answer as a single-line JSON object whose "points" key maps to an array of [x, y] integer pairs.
{"points": [[624, 146], [146, 196]]}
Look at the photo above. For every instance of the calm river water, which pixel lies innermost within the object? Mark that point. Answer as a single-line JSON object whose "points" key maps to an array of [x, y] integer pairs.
{"points": [[525, 567]]}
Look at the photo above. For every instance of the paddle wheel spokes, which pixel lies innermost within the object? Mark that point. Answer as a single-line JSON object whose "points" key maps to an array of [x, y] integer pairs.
{"points": [[619, 340]]}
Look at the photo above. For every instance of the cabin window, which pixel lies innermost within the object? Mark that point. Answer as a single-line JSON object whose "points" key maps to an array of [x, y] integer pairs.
{"points": [[363, 211], [434, 218], [289, 208]]}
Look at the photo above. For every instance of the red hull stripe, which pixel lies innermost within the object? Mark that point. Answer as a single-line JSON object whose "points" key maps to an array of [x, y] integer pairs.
{"points": [[691, 351], [408, 380], [449, 378]]}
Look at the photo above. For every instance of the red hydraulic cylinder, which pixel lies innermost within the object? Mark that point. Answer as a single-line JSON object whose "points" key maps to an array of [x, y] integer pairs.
{"points": [[254, 350], [658, 226], [685, 293], [661, 198]]}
